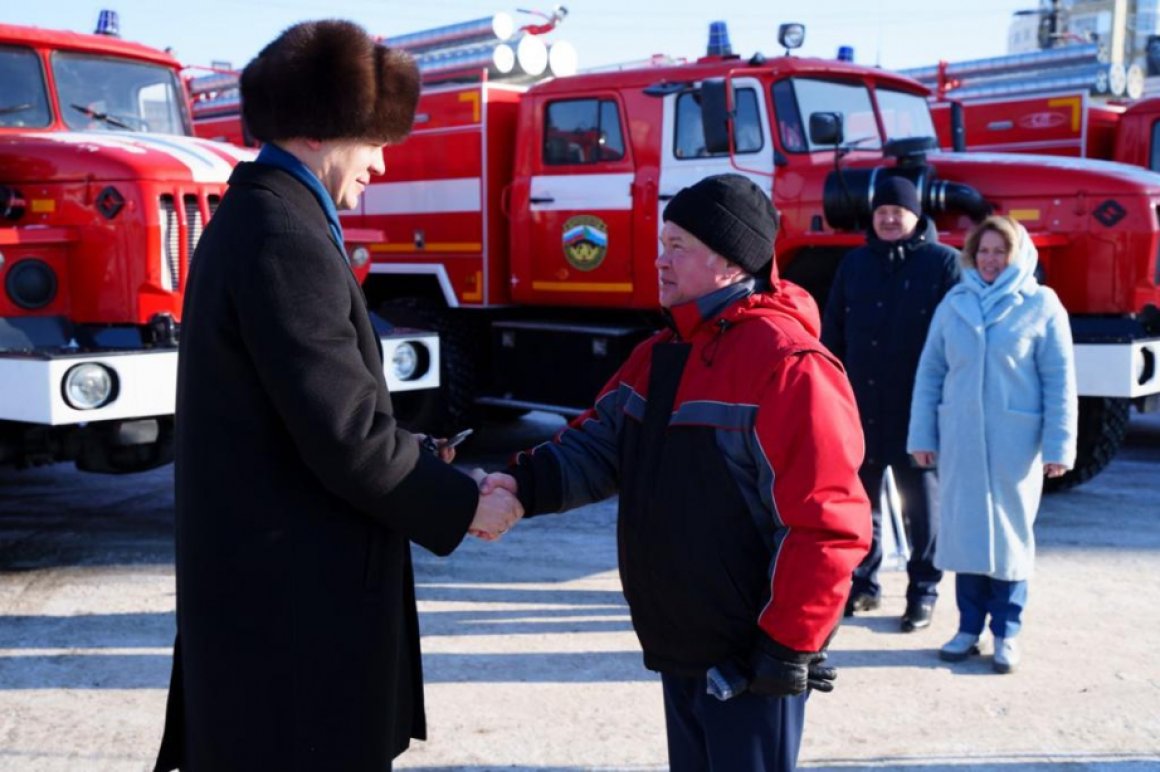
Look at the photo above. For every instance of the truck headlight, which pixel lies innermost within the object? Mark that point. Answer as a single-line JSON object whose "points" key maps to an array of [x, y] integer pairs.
{"points": [[405, 361], [89, 386]]}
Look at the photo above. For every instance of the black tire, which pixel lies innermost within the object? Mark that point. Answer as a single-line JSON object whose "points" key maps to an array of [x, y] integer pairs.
{"points": [[440, 412], [1103, 424]]}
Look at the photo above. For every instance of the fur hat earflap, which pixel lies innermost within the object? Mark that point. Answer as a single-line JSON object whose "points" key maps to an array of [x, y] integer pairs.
{"points": [[329, 80]]}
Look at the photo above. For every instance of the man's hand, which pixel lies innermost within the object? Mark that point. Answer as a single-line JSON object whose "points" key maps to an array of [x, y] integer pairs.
{"points": [[780, 672], [821, 677], [777, 677], [498, 508], [925, 458], [495, 480], [1054, 470], [438, 446]]}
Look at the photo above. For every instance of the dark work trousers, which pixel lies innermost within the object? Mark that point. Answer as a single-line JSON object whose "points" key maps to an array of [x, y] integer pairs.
{"points": [[748, 733], [918, 489]]}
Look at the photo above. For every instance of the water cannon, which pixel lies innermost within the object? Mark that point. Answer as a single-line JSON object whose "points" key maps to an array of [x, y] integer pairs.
{"points": [[719, 44], [846, 53], [791, 36], [108, 24]]}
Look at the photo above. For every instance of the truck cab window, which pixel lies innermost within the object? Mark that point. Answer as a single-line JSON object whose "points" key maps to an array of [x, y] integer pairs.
{"points": [[851, 100], [689, 139], [789, 118], [23, 98], [582, 131], [904, 115], [107, 94]]}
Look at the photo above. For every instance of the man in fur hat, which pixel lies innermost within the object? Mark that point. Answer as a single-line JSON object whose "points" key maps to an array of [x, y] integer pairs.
{"points": [[297, 493], [733, 440]]}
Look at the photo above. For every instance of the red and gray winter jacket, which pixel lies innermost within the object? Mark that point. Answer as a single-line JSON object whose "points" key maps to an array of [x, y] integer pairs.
{"points": [[734, 442]]}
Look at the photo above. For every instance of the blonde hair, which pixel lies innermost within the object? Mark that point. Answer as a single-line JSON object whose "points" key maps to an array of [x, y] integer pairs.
{"points": [[1006, 226]]}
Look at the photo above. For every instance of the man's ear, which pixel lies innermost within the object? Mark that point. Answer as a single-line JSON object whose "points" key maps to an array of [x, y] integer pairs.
{"points": [[733, 272]]}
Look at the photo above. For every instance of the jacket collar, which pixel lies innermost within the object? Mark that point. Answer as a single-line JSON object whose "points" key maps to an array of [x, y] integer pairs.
{"points": [[896, 252], [687, 318], [272, 155], [298, 196]]}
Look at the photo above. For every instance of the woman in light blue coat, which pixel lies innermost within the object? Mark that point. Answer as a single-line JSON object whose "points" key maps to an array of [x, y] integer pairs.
{"points": [[995, 408]]}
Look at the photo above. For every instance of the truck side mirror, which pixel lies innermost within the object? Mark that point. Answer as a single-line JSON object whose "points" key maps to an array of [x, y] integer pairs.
{"points": [[715, 96], [826, 129]]}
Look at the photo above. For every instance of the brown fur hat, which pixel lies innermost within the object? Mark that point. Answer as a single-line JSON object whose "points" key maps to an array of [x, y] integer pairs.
{"points": [[329, 80]]}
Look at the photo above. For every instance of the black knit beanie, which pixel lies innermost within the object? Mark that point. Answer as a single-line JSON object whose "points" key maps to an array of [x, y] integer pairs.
{"points": [[731, 216], [897, 191]]}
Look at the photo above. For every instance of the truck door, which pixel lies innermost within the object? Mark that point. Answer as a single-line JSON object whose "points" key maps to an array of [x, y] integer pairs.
{"points": [[572, 235], [684, 158]]}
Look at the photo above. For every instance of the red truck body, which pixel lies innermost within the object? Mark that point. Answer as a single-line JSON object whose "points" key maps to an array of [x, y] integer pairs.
{"points": [[103, 197], [1067, 124]]}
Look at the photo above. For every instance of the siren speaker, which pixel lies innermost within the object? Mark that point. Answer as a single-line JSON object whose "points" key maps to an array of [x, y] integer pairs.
{"points": [[562, 59], [532, 55]]}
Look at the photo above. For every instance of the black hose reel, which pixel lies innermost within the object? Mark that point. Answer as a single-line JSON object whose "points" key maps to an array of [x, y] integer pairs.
{"points": [[848, 193]]}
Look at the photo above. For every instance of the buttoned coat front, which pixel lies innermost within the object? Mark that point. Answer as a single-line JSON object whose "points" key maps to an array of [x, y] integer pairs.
{"points": [[297, 497], [880, 305], [995, 397]]}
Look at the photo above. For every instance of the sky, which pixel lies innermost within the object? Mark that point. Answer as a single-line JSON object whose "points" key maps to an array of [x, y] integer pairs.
{"points": [[890, 33]]}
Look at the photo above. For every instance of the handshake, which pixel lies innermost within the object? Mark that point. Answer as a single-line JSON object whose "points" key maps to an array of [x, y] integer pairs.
{"points": [[498, 508]]}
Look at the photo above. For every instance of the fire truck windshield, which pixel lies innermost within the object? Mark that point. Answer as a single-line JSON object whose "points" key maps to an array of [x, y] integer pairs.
{"points": [[99, 93], [851, 100], [904, 115], [23, 97]]}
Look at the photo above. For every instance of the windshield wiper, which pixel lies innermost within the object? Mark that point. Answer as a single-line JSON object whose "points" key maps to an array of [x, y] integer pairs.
{"points": [[103, 117], [6, 109]]}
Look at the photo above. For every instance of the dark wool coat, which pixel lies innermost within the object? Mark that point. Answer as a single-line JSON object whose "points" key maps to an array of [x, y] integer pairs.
{"points": [[879, 309], [297, 496]]}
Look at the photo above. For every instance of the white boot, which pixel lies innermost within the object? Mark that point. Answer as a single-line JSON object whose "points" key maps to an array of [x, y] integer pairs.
{"points": [[1006, 655], [959, 648]]}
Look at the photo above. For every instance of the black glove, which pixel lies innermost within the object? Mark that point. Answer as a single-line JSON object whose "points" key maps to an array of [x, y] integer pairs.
{"points": [[782, 672], [778, 671], [821, 678]]}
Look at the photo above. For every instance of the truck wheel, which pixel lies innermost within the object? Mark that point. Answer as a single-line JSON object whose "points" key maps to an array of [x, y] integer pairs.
{"points": [[443, 411], [1103, 423]]}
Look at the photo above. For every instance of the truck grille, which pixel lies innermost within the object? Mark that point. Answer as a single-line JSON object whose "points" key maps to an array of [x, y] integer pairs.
{"points": [[179, 235], [170, 245], [193, 225]]}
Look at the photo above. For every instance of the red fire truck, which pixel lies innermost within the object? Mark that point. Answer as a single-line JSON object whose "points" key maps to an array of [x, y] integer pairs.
{"points": [[522, 223], [103, 196]]}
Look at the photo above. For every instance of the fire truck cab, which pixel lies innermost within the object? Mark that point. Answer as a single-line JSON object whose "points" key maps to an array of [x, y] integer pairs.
{"points": [[103, 196]]}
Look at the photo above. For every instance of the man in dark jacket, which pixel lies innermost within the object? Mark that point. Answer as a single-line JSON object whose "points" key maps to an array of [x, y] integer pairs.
{"points": [[297, 492], [876, 318], [733, 440]]}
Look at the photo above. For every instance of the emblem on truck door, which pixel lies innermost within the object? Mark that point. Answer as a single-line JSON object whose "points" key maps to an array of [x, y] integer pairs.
{"points": [[585, 241]]}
